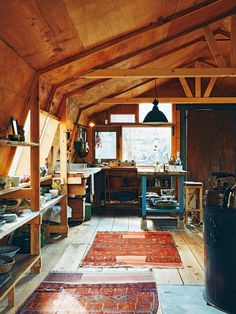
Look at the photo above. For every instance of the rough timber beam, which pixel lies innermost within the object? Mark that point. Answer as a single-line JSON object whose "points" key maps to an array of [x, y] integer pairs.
{"points": [[161, 73], [197, 87], [185, 87], [219, 59], [210, 86], [174, 100]]}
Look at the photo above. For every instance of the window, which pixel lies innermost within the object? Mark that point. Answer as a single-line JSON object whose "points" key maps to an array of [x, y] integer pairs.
{"points": [[105, 145], [122, 118], [21, 160], [146, 145]]}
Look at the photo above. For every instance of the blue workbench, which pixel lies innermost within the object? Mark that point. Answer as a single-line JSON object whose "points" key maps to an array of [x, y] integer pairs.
{"points": [[150, 171]]}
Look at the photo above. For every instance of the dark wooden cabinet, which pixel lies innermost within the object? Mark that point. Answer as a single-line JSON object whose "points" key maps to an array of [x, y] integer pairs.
{"points": [[121, 187]]}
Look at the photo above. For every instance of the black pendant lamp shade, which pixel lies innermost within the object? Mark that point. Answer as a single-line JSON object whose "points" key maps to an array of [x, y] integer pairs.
{"points": [[155, 116]]}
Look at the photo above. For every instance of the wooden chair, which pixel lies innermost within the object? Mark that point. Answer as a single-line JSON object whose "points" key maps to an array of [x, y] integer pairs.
{"points": [[193, 199]]}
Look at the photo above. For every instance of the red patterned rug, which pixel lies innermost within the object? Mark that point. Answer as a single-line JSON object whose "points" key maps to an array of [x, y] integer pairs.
{"points": [[116, 249], [68, 293]]}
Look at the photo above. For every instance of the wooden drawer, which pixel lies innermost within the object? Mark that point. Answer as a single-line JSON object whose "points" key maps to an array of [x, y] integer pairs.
{"points": [[77, 189]]}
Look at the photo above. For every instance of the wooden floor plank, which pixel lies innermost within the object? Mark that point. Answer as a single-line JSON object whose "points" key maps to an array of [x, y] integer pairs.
{"points": [[121, 223], [192, 273], [167, 276], [87, 231], [134, 223], [71, 258], [192, 238], [105, 224]]}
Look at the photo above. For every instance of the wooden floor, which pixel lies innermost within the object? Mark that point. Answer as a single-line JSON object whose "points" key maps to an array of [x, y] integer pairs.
{"points": [[66, 254]]}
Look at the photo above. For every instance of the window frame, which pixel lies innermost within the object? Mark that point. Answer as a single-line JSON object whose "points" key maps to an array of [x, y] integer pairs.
{"points": [[107, 129]]}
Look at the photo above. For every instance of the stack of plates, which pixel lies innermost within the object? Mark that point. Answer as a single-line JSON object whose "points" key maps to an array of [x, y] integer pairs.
{"points": [[8, 217]]}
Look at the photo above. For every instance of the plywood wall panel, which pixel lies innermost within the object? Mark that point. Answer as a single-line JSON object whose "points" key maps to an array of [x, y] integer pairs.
{"points": [[16, 79]]}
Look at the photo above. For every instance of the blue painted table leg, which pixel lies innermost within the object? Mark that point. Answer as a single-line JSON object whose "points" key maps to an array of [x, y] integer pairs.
{"points": [[181, 196], [144, 190]]}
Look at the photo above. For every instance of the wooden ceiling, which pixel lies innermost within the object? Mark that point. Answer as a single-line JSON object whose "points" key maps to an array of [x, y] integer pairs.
{"points": [[64, 42]]}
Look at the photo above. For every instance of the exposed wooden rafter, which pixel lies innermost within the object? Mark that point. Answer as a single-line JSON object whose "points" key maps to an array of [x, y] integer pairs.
{"points": [[176, 100], [187, 21], [161, 73], [219, 59], [185, 86], [210, 86]]}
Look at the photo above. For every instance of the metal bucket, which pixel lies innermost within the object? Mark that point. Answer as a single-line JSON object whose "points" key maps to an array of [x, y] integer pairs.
{"points": [[220, 257]]}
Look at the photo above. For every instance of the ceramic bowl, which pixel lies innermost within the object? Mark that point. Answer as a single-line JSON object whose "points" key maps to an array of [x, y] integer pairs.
{"points": [[48, 196], [8, 250], [54, 193]]}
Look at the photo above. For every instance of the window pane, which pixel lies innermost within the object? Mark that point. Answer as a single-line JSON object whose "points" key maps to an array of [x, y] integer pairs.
{"points": [[146, 146], [166, 108], [105, 145], [119, 118]]}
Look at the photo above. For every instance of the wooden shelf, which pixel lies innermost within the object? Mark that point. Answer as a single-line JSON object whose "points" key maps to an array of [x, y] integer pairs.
{"points": [[51, 203], [42, 179], [23, 263], [9, 190], [23, 219], [17, 143]]}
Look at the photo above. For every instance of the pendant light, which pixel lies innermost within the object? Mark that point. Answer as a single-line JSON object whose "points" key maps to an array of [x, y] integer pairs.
{"points": [[155, 116]]}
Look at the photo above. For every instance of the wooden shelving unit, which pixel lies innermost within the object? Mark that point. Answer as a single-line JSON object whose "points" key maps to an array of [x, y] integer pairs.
{"points": [[42, 179], [51, 203], [23, 263], [62, 227], [17, 143], [23, 219], [9, 190], [31, 261]]}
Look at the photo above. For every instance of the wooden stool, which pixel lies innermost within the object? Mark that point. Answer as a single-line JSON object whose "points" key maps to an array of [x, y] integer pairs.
{"points": [[193, 199]]}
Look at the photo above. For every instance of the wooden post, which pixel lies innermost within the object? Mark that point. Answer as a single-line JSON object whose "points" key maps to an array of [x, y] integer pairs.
{"points": [[197, 87], [35, 151], [64, 219], [35, 179], [11, 297], [63, 151], [63, 172]]}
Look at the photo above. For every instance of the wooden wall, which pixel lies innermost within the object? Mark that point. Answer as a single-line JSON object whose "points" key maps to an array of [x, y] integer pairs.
{"points": [[211, 140], [16, 78]]}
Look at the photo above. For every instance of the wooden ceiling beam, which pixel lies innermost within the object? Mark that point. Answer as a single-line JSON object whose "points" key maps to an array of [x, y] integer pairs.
{"points": [[210, 87], [198, 90], [233, 40], [188, 21], [174, 100], [185, 87], [219, 59], [161, 73]]}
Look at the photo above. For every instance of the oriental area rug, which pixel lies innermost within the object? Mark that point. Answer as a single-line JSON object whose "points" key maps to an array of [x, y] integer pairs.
{"points": [[141, 249], [87, 293]]}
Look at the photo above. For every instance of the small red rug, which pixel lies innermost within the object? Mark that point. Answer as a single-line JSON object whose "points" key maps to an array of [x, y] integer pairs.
{"points": [[74, 296], [117, 249]]}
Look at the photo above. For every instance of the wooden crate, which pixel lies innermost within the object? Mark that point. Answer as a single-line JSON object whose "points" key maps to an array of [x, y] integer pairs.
{"points": [[78, 208]]}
